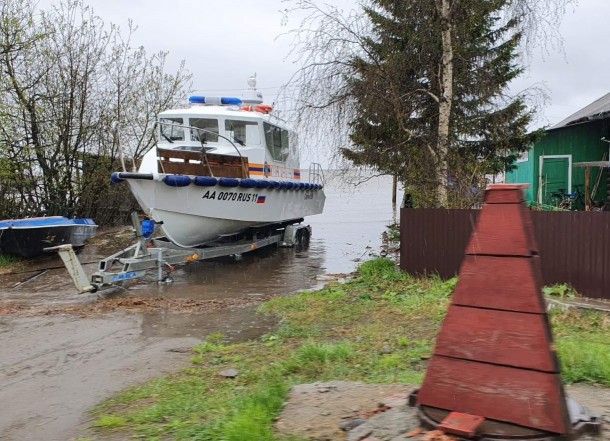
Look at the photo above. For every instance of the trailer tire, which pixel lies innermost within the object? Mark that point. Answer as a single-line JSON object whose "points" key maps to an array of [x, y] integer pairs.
{"points": [[301, 239]]}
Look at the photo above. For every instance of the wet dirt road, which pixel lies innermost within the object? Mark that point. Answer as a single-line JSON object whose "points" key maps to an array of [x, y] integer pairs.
{"points": [[56, 368], [62, 352]]}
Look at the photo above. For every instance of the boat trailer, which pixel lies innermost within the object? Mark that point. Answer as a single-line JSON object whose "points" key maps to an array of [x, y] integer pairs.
{"points": [[159, 256]]}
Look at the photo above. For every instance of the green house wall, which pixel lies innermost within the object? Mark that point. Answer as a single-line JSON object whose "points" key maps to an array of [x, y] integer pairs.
{"points": [[524, 174], [582, 141]]}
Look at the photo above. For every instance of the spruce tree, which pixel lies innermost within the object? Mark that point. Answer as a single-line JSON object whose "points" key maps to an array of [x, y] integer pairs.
{"points": [[430, 90]]}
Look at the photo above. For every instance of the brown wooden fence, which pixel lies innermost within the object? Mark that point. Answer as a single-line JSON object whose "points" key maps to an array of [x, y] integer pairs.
{"points": [[574, 246]]}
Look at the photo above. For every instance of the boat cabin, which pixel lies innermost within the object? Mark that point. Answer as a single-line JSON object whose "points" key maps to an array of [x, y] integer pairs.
{"points": [[221, 137]]}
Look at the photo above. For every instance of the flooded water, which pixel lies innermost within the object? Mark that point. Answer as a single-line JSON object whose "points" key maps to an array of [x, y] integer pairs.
{"points": [[346, 234]]}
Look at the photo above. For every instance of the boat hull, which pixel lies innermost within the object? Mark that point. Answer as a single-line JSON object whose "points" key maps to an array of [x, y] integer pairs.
{"points": [[28, 241], [193, 215]]}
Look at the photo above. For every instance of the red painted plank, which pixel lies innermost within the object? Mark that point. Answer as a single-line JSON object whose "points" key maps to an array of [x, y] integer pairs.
{"points": [[527, 398], [504, 196], [501, 337], [511, 284], [501, 231], [499, 187]]}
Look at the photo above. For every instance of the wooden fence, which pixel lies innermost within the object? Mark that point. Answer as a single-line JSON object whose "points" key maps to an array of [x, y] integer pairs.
{"points": [[574, 246]]}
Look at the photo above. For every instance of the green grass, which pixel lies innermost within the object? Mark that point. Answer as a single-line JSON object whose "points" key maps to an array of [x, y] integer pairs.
{"points": [[109, 422], [583, 345], [8, 260], [379, 327], [563, 291], [393, 232]]}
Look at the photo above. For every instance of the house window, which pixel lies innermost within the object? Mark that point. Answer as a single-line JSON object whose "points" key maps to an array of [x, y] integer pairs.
{"points": [[523, 157]]}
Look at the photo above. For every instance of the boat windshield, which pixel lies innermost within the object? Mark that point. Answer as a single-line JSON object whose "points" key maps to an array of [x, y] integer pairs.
{"points": [[209, 124], [170, 129], [243, 132], [277, 141]]}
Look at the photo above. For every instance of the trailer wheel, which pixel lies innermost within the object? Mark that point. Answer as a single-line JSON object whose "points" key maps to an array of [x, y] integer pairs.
{"points": [[301, 241]]}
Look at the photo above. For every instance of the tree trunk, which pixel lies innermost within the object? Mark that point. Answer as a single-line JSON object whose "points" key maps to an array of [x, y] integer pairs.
{"points": [[444, 108]]}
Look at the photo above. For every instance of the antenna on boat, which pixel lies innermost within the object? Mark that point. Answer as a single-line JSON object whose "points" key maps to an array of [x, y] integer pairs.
{"points": [[251, 96], [252, 82]]}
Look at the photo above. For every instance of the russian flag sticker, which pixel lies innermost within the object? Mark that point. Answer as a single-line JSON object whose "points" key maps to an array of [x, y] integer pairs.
{"points": [[261, 199]]}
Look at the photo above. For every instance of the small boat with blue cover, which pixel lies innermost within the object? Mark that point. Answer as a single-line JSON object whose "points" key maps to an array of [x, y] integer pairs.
{"points": [[29, 237], [221, 166]]}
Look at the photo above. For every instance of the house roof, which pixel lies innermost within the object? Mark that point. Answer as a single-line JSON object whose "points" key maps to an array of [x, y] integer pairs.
{"points": [[598, 109]]}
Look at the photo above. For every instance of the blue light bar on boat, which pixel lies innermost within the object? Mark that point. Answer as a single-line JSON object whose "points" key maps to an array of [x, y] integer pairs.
{"points": [[217, 100]]}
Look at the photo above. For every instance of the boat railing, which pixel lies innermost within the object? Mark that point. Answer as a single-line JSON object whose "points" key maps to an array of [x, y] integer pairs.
{"points": [[316, 175], [245, 167]]}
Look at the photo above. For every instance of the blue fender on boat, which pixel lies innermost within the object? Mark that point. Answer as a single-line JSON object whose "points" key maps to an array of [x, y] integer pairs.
{"points": [[177, 180], [228, 182], [115, 178], [205, 181], [247, 183], [261, 183], [274, 184], [290, 185]]}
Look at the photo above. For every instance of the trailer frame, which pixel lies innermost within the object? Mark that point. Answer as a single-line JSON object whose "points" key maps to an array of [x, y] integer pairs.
{"points": [[160, 256]]}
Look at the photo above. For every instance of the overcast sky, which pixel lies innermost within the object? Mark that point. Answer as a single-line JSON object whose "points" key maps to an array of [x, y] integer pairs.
{"points": [[224, 42]]}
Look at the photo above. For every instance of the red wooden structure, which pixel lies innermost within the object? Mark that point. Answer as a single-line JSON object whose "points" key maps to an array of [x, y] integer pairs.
{"points": [[494, 357]]}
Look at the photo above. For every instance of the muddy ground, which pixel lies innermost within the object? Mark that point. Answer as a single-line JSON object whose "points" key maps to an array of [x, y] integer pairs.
{"points": [[57, 363], [55, 368], [352, 411], [61, 352]]}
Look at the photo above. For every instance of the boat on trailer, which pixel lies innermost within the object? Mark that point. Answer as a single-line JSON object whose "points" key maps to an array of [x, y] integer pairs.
{"points": [[221, 166], [29, 237]]}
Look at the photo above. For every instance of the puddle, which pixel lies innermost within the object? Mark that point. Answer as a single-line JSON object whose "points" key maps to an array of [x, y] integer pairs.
{"points": [[237, 325]]}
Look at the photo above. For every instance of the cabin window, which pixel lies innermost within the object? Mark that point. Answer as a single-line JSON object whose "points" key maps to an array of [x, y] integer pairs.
{"points": [[171, 130], [243, 132], [207, 124], [277, 141]]}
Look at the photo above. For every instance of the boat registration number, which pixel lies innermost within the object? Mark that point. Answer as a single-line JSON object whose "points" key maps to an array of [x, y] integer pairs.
{"points": [[232, 196]]}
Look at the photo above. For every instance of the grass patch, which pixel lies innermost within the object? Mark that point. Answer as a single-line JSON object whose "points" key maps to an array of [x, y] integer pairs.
{"points": [[562, 290], [110, 422], [392, 234], [379, 327], [583, 345], [8, 260]]}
